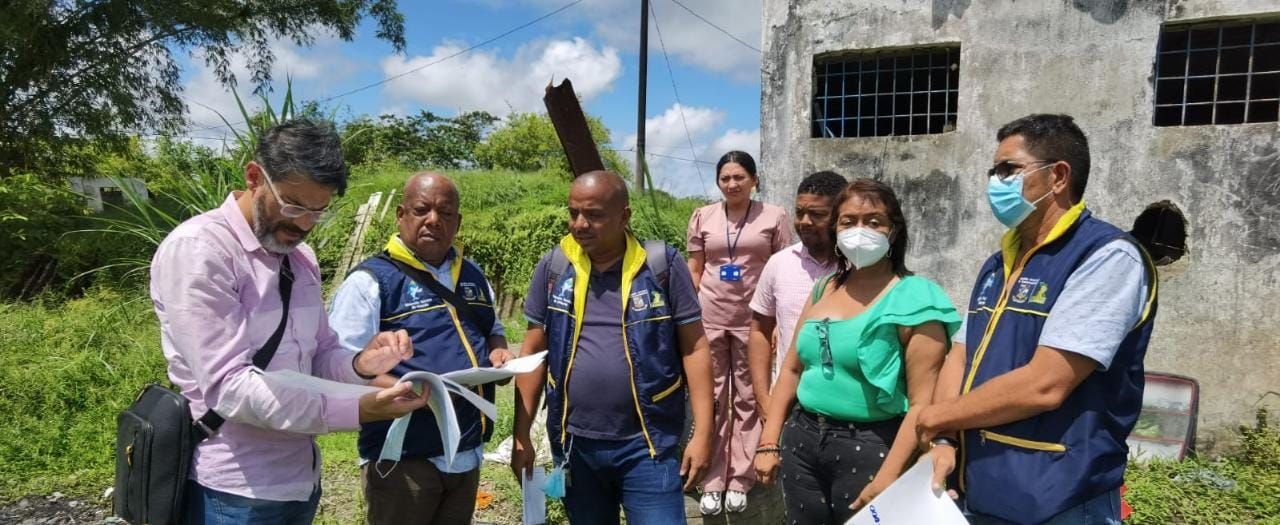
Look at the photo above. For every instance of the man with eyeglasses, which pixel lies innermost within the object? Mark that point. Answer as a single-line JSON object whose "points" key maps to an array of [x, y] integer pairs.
{"points": [[1044, 381], [421, 283], [238, 280]]}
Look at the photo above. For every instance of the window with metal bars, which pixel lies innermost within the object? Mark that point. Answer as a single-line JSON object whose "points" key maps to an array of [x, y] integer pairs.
{"points": [[876, 94], [1218, 73]]}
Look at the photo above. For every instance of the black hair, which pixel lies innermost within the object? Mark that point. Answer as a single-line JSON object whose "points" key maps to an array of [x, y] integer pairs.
{"points": [[740, 158], [1054, 137], [875, 192], [823, 183], [310, 149]]}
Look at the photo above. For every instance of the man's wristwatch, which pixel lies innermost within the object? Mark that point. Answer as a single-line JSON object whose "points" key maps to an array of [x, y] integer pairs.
{"points": [[941, 440]]}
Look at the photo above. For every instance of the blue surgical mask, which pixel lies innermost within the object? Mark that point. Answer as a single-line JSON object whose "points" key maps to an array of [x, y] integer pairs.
{"points": [[553, 486], [393, 445], [1007, 202]]}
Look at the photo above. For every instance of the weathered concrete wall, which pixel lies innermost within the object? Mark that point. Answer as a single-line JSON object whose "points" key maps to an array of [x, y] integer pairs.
{"points": [[1219, 318]]}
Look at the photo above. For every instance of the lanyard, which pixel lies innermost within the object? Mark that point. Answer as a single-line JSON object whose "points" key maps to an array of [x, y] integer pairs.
{"points": [[732, 241]]}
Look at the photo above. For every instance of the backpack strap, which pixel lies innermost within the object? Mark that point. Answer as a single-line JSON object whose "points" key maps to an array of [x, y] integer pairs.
{"points": [[556, 267], [656, 259]]}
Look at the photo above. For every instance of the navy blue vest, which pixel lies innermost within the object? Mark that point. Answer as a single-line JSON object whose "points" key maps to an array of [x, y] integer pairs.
{"points": [[434, 327], [1029, 470], [648, 340]]}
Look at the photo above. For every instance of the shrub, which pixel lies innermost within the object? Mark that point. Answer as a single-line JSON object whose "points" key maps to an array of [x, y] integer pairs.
{"points": [[1243, 487], [33, 216]]}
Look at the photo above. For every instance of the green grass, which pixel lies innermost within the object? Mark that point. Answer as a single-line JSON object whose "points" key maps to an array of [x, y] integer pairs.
{"points": [[65, 372]]}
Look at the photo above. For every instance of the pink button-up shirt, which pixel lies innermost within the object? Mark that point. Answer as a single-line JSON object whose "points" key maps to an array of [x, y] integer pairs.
{"points": [[216, 292], [785, 287]]}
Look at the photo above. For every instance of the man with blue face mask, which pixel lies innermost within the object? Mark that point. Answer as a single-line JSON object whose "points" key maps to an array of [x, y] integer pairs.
{"points": [[1044, 381]]}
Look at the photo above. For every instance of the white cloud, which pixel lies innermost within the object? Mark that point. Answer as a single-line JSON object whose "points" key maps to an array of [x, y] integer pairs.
{"points": [[482, 80], [207, 98], [687, 38], [669, 155]]}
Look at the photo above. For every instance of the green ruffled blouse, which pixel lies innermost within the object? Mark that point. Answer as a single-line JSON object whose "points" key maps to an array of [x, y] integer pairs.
{"points": [[866, 380]]}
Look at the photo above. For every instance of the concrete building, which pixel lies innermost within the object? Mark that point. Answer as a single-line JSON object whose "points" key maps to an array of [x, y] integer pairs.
{"points": [[101, 191], [984, 63]]}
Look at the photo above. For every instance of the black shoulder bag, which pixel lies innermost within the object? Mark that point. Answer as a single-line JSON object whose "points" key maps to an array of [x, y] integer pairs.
{"points": [[156, 438]]}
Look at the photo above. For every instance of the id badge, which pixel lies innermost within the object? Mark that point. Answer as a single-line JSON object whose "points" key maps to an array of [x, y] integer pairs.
{"points": [[730, 272]]}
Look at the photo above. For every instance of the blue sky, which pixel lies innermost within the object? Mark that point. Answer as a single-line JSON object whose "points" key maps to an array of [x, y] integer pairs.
{"points": [[593, 42]]}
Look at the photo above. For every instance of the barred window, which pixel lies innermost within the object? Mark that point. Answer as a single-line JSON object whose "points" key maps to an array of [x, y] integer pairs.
{"points": [[1218, 73], [875, 94]]}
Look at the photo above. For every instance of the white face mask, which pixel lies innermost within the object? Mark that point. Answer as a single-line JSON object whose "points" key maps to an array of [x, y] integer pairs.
{"points": [[862, 246]]}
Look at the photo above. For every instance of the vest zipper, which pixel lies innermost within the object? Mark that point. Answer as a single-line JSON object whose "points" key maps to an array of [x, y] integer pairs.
{"points": [[1014, 273]]}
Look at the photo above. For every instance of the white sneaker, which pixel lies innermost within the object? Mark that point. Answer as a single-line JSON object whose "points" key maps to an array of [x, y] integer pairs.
{"points": [[735, 501], [710, 505]]}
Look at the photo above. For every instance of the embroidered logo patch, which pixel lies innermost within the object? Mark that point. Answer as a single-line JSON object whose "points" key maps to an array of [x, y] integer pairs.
{"points": [[986, 287], [469, 291], [657, 301], [640, 300], [1040, 296], [1022, 291], [413, 291], [563, 295]]}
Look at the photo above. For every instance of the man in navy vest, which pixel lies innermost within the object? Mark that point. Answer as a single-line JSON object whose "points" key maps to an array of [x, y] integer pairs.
{"points": [[397, 289], [1044, 381], [623, 329]]}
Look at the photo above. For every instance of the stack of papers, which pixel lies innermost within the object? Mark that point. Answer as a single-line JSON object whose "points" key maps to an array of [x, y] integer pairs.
{"points": [[456, 383], [441, 386]]}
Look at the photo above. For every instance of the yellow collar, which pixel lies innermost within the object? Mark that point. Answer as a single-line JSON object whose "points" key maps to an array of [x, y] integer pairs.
{"points": [[397, 249], [1010, 243]]}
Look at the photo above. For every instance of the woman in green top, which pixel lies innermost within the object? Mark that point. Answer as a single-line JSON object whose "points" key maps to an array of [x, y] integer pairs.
{"points": [[868, 345]]}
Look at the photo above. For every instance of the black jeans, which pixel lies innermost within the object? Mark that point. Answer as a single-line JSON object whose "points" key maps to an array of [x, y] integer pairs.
{"points": [[826, 464]]}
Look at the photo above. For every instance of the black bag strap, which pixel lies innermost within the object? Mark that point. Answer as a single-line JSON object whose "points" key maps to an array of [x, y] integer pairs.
{"points": [[459, 304], [209, 423]]}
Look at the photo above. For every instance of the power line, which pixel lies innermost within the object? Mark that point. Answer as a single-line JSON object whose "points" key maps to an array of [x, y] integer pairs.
{"points": [[679, 105], [432, 63], [712, 24], [652, 154]]}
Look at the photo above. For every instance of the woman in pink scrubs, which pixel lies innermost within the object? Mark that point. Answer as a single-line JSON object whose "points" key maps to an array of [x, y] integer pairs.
{"points": [[729, 243]]}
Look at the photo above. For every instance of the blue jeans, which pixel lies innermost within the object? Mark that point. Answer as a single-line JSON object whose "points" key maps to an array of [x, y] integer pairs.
{"points": [[206, 506], [1103, 509], [604, 474]]}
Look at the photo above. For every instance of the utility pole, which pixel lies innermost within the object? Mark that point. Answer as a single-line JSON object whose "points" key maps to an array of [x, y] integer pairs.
{"points": [[644, 82]]}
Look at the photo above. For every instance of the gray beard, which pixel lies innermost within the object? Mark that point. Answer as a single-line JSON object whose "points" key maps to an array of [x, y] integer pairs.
{"points": [[266, 233]]}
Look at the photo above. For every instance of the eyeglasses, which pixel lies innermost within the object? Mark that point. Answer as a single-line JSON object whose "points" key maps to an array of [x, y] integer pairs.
{"points": [[294, 211], [824, 340], [1006, 169]]}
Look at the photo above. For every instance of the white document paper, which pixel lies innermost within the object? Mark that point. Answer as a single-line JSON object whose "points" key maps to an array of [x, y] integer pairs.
{"points": [[512, 368], [457, 383], [533, 499], [911, 500]]}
